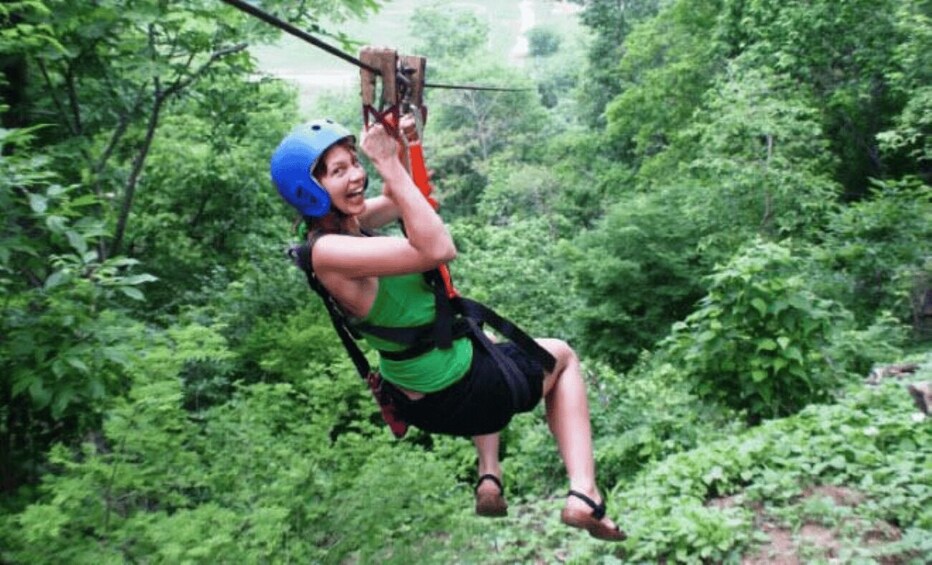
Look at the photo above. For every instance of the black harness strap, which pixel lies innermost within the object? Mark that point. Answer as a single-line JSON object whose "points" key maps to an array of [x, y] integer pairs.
{"points": [[302, 257], [478, 311], [455, 318]]}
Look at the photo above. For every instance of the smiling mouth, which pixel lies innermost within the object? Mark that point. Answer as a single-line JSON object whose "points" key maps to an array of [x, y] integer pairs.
{"points": [[356, 193]]}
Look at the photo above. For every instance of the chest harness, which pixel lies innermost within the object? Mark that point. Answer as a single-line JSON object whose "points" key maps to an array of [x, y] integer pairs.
{"points": [[456, 317]]}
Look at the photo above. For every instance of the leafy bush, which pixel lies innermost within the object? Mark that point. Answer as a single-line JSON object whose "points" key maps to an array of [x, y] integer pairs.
{"points": [[67, 338], [878, 250], [757, 341], [646, 415], [543, 42], [537, 294], [260, 477], [637, 273]]}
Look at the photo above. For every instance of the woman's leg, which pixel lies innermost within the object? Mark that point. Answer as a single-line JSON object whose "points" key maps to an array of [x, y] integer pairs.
{"points": [[490, 500], [487, 450], [568, 417]]}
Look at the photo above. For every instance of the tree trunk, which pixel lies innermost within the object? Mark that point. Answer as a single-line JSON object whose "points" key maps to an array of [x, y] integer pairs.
{"points": [[130, 191]]}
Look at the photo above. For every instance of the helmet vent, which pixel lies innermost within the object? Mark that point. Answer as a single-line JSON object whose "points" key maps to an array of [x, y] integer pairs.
{"points": [[299, 192], [315, 127]]}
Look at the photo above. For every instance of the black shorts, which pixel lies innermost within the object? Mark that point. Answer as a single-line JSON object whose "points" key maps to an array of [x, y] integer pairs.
{"points": [[479, 403]]}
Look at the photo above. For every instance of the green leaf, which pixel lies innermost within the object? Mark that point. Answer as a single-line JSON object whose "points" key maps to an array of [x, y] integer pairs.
{"points": [[23, 380], [706, 336], [53, 280], [40, 395], [794, 353], [38, 203], [139, 279], [759, 305], [766, 344], [77, 364], [132, 292], [56, 224], [77, 241], [61, 401]]}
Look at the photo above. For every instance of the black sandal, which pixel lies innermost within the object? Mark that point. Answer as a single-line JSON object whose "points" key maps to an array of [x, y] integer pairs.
{"points": [[591, 522], [491, 504]]}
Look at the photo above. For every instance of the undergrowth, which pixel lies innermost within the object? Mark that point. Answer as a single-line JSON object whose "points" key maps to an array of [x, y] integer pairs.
{"points": [[871, 441]]}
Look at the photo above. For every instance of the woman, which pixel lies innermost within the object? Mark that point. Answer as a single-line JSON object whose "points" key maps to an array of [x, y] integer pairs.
{"points": [[377, 280]]}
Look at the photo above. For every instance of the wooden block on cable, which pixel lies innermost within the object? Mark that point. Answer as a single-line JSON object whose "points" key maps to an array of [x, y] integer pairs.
{"points": [[414, 68], [386, 61]]}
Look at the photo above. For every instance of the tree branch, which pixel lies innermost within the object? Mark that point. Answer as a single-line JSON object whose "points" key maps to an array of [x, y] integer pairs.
{"points": [[73, 103], [161, 96], [53, 95], [119, 131], [183, 82], [130, 190]]}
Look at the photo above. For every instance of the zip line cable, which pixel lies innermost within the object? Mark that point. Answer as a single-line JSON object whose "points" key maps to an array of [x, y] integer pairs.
{"points": [[303, 35], [300, 34], [471, 87]]}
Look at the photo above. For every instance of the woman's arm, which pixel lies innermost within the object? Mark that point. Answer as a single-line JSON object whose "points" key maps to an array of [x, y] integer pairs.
{"points": [[428, 243], [380, 211]]}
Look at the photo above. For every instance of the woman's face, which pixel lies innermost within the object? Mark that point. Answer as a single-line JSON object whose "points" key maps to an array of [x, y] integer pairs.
{"points": [[344, 179]]}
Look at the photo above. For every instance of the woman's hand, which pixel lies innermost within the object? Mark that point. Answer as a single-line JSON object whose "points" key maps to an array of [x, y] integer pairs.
{"points": [[379, 145], [408, 128]]}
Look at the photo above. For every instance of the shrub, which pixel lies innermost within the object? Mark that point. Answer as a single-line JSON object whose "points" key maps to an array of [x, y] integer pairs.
{"points": [[758, 340]]}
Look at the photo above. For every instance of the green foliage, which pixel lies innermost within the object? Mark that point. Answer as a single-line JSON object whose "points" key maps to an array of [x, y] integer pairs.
{"points": [[590, 176], [15, 35], [879, 249], [647, 415], [841, 52], [445, 33], [63, 320], [757, 341], [908, 141], [542, 42], [636, 273], [205, 207], [668, 64], [760, 159], [112, 80], [558, 74], [868, 442], [538, 296], [608, 23], [518, 193], [471, 130], [259, 477], [233, 427]]}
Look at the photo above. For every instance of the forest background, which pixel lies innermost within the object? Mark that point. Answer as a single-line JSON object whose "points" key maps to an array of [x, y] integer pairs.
{"points": [[723, 204]]}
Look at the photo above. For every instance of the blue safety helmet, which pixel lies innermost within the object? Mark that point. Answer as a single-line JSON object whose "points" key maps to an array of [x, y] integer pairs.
{"points": [[293, 164]]}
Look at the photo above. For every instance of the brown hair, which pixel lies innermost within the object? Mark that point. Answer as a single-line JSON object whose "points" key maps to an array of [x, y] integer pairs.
{"points": [[320, 167], [332, 221]]}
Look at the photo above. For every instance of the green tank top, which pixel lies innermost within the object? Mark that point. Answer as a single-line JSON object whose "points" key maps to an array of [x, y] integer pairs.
{"points": [[406, 301]]}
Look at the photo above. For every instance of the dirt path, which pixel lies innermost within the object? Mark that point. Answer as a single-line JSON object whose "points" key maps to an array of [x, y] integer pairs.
{"points": [[521, 48]]}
